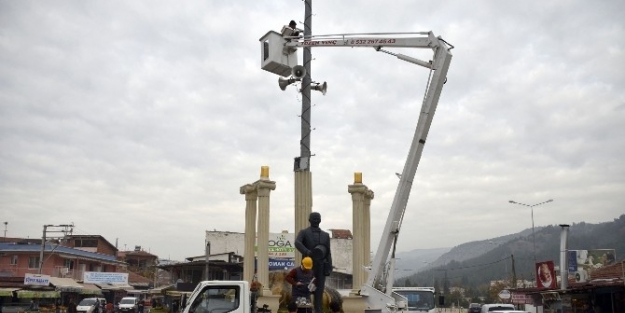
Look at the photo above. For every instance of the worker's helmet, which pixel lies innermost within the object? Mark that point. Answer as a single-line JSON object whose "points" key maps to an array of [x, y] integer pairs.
{"points": [[292, 23], [307, 263]]}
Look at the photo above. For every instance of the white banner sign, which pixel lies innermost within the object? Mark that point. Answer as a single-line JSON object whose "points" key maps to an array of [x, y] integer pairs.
{"points": [[36, 279], [105, 277]]}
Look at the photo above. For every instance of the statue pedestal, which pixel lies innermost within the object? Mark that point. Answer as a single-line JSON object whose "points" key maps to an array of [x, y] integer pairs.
{"points": [[273, 301], [354, 304]]}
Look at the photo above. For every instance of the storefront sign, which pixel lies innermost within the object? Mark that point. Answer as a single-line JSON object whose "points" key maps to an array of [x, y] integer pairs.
{"points": [[521, 298], [105, 277], [281, 264], [36, 279]]}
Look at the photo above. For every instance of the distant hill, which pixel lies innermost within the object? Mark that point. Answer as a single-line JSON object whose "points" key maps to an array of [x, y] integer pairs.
{"points": [[411, 262], [475, 264]]}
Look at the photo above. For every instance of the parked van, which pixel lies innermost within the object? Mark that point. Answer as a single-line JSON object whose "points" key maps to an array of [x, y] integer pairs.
{"points": [[128, 305], [486, 308]]}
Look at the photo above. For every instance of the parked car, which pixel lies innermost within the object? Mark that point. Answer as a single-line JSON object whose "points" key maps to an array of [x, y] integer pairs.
{"points": [[128, 305], [474, 308], [89, 305]]}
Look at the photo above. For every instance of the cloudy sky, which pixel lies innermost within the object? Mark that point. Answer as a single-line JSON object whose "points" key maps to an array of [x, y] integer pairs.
{"points": [[140, 120]]}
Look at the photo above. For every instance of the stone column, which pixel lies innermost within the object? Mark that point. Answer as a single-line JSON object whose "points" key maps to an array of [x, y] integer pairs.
{"points": [[250, 231], [366, 217], [263, 188], [358, 191], [303, 203]]}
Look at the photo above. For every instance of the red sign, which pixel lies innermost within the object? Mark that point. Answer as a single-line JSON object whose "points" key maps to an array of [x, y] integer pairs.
{"points": [[521, 298], [546, 275]]}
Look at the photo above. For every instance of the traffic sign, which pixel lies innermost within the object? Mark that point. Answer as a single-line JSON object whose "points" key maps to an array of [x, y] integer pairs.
{"points": [[505, 294]]}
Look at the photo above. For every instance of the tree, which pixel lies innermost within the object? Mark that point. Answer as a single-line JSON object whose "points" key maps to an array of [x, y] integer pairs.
{"points": [[495, 289]]}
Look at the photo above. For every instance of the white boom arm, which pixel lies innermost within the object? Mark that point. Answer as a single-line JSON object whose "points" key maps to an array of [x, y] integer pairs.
{"points": [[381, 297], [403, 40], [375, 40]]}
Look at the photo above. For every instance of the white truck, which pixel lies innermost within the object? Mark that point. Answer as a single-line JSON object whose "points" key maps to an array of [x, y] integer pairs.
{"points": [[278, 55], [219, 296], [418, 299], [235, 297]]}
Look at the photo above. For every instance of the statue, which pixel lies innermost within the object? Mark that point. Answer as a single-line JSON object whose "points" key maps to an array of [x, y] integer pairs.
{"points": [[315, 243]]}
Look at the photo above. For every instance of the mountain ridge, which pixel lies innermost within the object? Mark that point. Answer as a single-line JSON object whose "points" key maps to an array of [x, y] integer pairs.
{"points": [[476, 263]]}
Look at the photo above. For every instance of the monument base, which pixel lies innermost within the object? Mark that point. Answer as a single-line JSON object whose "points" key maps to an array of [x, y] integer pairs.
{"points": [[271, 300], [354, 304]]}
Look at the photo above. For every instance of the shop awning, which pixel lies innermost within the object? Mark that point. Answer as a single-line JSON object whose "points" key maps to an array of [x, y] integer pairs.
{"points": [[91, 289], [136, 292], [116, 287], [161, 290], [176, 293], [65, 284], [7, 292], [37, 294]]}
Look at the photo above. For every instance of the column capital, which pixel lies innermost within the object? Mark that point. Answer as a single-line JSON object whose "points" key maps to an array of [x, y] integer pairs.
{"points": [[249, 191], [247, 188], [357, 188], [369, 194], [263, 187]]}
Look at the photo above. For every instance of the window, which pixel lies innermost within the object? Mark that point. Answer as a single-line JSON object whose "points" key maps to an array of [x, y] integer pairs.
{"points": [[69, 264], [86, 243], [33, 262], [14, 260], [265, 50], [215, 299]]}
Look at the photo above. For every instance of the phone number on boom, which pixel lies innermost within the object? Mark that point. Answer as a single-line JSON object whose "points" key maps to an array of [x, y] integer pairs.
{"points": [[351, 42], [371, 41]]}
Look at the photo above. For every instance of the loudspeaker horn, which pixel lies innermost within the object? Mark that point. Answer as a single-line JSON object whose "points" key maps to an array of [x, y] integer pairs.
{"points": [[298, 72], [283, 82], [321, 87]]}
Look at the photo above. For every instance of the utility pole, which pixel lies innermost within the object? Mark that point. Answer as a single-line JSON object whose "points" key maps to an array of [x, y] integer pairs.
{"points": [[303, 176], [66, 229], [207, 252], [5, 229], [513, 272]]}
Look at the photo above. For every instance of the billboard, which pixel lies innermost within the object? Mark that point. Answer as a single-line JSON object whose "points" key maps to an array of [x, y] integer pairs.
{"points": [[545, 275], [281, 245], [583, 262]]}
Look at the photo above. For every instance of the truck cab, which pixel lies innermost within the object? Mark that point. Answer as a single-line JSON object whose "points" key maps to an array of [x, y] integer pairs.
{"points": [[219, 297], [417, 299]]}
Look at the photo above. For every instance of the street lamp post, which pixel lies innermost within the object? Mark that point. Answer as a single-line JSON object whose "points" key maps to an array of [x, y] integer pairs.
{"points": [[531, 206]]}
